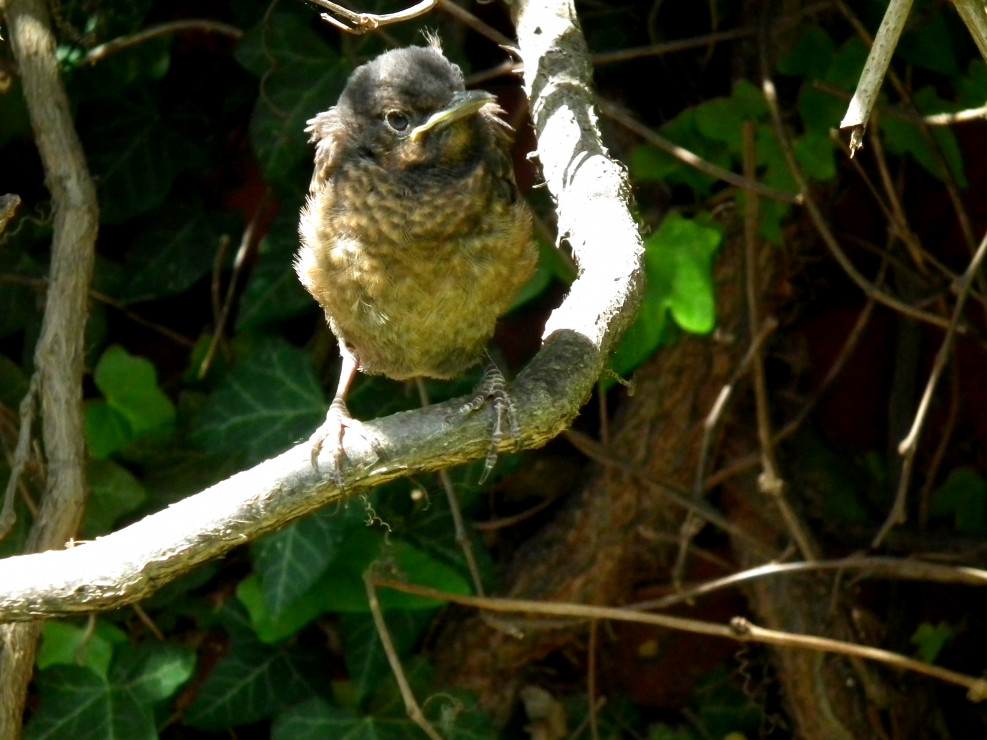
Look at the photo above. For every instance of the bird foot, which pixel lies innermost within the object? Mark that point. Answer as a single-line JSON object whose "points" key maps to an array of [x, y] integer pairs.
{"points": [[330, 434], [493, 389]]}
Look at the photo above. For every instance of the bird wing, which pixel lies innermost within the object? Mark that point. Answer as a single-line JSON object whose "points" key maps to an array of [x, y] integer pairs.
{"points": [[326, 131], [501, 165]]}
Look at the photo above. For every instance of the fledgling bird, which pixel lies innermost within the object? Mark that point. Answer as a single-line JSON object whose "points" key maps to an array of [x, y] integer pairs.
{"points": [[414, 239]]}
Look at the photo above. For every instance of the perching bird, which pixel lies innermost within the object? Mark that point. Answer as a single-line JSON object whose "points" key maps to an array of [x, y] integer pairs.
{"points": [[414, 239]]}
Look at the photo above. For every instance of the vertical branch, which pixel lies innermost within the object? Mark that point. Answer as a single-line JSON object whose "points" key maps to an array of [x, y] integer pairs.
{"points": [[909, 445], [59, 354], [770, 481]]}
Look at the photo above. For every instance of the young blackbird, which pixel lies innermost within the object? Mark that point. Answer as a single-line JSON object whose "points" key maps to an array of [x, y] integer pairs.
{"points": [[414, 239]]}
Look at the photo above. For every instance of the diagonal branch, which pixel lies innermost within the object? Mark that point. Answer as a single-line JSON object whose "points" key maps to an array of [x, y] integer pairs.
{"points": [[593, 204]]}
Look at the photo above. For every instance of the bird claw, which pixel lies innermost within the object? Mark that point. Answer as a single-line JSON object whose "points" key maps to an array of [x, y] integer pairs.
{"points": [[493, 389], [337, 420]]}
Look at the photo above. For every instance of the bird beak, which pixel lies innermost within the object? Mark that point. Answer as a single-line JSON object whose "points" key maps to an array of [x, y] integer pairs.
{"points": [[463, 105]]}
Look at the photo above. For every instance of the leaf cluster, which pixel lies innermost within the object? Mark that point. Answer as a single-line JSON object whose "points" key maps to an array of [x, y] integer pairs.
{"points": [[206, 356]]}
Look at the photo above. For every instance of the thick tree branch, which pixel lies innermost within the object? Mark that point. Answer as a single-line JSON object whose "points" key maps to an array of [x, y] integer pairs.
{"points": [[59, 353], [592, 195]]}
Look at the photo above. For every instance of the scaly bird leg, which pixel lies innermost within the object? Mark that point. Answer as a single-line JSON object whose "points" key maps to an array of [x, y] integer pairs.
{"points": [[493, 389], [338, 417]]}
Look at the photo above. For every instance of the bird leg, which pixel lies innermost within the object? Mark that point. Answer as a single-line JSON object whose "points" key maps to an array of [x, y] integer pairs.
{"points": [[337, 417], [493, 389]]}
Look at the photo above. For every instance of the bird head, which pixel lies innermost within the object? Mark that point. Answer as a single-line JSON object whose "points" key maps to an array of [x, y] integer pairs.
{"points": [[409, 108]]}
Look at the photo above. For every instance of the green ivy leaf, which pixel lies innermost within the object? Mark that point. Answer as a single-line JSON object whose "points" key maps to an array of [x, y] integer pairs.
{"points": [[79, 703], [649, 163], [289, 562], [130, 386], [678, 261], [273, 292], [846, 65], [720, 120], [268, 401], [930, 639], [366, 664], [254, 681], [65, 643], [343, 588], [173, 252], [134, 155], [303, 75], [810, 56], [270, 628], [972, 87], [928, 43], [816, 153], [963, 497], [151, 672], [317, 719], [114, 493], [107, 430], [903, 137]]}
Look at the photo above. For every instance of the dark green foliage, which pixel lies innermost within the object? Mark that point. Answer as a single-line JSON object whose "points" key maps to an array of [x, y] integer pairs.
{"points": [[83, 703], [205, 356]]}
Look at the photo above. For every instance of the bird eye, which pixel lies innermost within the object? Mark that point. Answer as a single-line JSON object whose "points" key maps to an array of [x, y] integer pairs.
{"points": [[396, 120]]}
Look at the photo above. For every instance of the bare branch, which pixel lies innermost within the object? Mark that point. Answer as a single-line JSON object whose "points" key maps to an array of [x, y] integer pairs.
{"points": [[363, 22], [59, 352], [593, 198], [739, 629], [875, 67], [101, 52]]}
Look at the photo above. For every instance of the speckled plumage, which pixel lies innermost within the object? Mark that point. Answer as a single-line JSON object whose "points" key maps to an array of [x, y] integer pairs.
{"points": [[413, 248], [413, 238]]}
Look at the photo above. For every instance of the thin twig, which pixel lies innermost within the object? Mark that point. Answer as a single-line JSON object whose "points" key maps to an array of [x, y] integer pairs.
{"points": [[888, 568], [363, 22], [670, 47], [898, 219], [769, 481], [960, 116], [41, 284], [819, 222], [174, 336], [905, 94], [204, 25], [591, 649], [739, 629], [846, 351], [909, 445], [22, 455], [948, 427], [248, 242], [459, 527], [719, 405], [693, 160], [900, 227], [594, 451], [468, 19], [411, 705]]}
